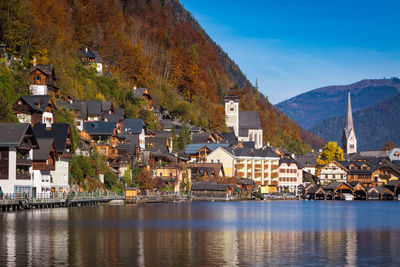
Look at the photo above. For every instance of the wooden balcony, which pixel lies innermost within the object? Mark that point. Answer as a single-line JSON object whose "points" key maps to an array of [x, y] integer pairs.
{"points": [[249, 174], [240, 174], [274, 167], [239, 166], [257, 174], [274, 175], [24, 162], [257, 166], [249, 166], [275, 183], [385, 176]]}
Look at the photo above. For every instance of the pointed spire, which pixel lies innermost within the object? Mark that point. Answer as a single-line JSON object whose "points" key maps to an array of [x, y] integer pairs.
{"points": [[348, 126]]}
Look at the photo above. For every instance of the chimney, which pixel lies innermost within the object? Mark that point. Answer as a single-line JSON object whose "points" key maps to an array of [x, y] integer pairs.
{"points": [[34, 61]]}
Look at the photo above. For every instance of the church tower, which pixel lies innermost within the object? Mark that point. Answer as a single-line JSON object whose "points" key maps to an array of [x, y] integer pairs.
{"points": [[349, 140], [232, 110]]}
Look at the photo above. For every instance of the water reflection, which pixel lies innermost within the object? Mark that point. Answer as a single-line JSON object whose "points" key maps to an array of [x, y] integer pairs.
{"points": [[204, 234]]}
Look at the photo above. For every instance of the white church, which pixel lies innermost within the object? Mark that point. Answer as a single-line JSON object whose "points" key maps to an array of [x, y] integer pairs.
{"points": [[245, 124]]}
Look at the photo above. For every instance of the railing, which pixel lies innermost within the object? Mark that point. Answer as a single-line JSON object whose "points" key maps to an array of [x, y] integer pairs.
{"points": [[61, 195], [239, 166], [257, 166]]}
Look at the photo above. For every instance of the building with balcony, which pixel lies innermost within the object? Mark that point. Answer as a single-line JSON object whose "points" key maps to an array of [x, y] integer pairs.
{"points": [[34, 109], [61, 133], [103, 136], [17, 143], [290, 175], [333, 171], [43, 80], [259, 165]]}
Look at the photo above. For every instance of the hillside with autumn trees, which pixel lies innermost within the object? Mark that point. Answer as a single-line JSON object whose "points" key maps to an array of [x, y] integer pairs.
{"points": [[155, 44]]}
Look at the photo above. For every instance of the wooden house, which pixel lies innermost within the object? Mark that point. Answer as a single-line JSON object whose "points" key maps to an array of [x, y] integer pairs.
{"points": [[386, 173], [360, 191], [338, 189], [144, 94], [394, 186], [103, 135], [34, 109], [380, 193], [206, 171], [131, 194], [315, 192], [334, 171], [43, 80], [210, 190]]}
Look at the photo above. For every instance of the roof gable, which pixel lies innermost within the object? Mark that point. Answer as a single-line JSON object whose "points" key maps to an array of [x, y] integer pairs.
{"points": [[12, 134], [134, 126], [59, 132]]}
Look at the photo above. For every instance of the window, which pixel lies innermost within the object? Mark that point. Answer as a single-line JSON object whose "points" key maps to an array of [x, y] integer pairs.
{"points": [[103, 151], [218, 160], [232, 109], [170, 174], [326, 176], [351, 146], [212, 161], [160, 174], [38, 78]]}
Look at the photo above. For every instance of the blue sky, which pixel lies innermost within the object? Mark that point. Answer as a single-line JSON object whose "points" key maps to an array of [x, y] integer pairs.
{"points": [[293, 46]]}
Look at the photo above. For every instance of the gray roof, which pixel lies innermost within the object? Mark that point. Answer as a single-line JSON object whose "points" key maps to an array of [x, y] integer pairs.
{"points": [[248, 120], [58, 132], [43, 152], [194, 148], [393, 183], [139, 92], [375, 153], [114, 117], [46, 69], [309, 159], [98, 58], [159, 143], [134, 126], [290, 161], [12, 134], [248, 152], [99, 127], [37, 102], [334, 185], [200, 137]]}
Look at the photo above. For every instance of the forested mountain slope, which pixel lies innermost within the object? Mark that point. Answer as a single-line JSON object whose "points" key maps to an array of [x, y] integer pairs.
{"points": [[373, 126], [312, 107], [155, 44]]}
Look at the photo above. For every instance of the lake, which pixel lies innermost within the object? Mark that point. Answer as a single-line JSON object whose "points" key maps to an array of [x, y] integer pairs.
{"points": [[249, 233]]}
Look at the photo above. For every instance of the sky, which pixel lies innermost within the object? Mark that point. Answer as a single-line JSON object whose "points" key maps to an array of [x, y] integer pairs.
{"points": [[293, 46]]}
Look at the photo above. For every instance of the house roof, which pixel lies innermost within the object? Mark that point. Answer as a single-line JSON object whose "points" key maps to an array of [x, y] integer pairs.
{"points": [[248, 120], [37, 102], [289, 161], [230, 138], [248, 152], [246, 181], [88, 107], [129, 149], [374, 153], [12, 134], [249, 144], [159, 143], [46, 69], [59, 132], [114, 117], [231, 95], [87, 53], [383, 190], [210, 167], [333, 185], [198, 138], [99, 127], [97, 57], [210, 186], [134, 126], [194, 148], [42, 153], [139, 92], [309, 159], [315, 189], [394, 183]]}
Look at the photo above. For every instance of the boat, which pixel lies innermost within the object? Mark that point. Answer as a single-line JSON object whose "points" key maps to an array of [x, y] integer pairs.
{"points": [[348, 197]]}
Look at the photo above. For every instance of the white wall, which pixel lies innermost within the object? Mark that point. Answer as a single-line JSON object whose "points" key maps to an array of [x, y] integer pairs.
{"points": [[24, 118], [38, 89], [232, 117], [60, 176]]}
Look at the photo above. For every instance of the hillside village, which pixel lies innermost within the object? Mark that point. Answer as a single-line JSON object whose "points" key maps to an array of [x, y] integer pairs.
{"points": [[97, 147]]}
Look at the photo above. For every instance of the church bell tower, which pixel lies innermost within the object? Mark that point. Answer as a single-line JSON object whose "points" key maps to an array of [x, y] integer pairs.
{"points": [[349, 139]]}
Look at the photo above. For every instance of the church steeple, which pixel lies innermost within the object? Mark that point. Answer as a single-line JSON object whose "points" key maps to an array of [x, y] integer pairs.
{"points": [[349, 140]]}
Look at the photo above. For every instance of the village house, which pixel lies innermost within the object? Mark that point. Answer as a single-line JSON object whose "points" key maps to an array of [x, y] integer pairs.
{"points": [[103, 136], [210, 190], [17, 143], [89, 110], [143, 93], [206, 171], [199, 152], [309, 162], [161, 141], [92, 59], [43, 80], [34, 109], [61, 133], [44, 161], [245, 124], [135, 128], [290, 175], [333, 171]]}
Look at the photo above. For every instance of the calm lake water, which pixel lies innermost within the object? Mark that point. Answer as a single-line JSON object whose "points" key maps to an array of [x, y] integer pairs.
{"points": [[253, 233]]}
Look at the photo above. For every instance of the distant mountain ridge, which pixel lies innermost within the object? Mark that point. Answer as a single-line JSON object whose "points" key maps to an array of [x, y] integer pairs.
{"points": [[373, 126], [310, 108]]}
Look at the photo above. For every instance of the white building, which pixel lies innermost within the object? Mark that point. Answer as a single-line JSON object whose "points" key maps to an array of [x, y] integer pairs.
{"points": [[290, 175], [333, 171], [16, 152], [245, 124]]}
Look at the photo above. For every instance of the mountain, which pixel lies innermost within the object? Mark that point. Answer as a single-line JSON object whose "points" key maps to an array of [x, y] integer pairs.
{"points": [[155, 44], [312, 107], [373, 126]]}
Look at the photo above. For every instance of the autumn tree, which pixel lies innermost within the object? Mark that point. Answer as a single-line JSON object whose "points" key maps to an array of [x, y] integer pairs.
{"points": [[329, 153], [389, 145]]}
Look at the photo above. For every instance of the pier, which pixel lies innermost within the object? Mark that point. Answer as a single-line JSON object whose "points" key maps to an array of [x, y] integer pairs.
{"points": [[17, 202]]}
